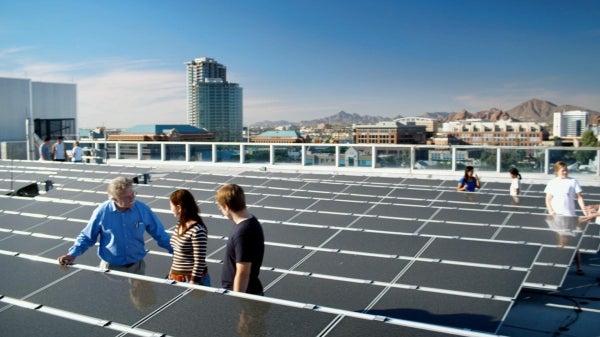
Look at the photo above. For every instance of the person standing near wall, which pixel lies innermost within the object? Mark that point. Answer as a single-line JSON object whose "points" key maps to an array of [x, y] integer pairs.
{"points": [[76, 153], [45, 153], [59, 151]]}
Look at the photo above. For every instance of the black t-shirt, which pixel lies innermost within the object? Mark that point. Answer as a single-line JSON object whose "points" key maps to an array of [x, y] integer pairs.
{"points": [[246, 244]]}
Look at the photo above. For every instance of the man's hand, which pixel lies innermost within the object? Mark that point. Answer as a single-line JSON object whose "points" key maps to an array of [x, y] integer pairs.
{"points": [[66, 260]]}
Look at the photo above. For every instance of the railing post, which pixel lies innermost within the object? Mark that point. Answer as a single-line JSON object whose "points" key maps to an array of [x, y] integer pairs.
{"points": [[214, 153], [163, 151], [498, 160], [373, 156], [242, 153], [303, 155], [271, 154], [187, 152], [546, 160], [453, 159], [117, 151], [412, 158], [598, 163]]}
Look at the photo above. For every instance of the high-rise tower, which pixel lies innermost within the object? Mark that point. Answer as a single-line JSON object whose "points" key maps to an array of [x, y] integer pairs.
{"points": [[214, 103]]}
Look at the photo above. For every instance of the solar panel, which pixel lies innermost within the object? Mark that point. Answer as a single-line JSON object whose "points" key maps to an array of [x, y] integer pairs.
{"points": [[416, 257]]}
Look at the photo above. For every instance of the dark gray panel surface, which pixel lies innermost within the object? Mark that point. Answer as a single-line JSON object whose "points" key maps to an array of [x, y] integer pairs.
{"points": [[490, 281], [456, 230], [26, 276], [388, 224], [22, 322], [287, 202], [379, 191], [556, 255], [402, 245], [324, 219], [325, 187], [298, 235], [356, 327], [284, 184], [63, 228], [273, 214], [484, 252], [324, 292], [283, 257], [547, 276], [470, 216], [353, 266], [341, 206], [402, 211], [546, 237], [423, 194], [466, 197], [27, 244], [213, 315], [477, 314]]}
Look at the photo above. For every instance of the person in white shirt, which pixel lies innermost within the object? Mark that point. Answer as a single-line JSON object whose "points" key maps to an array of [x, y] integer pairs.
{"points": [[515, 184], [59, 151], [76, 153], [561, 193]]}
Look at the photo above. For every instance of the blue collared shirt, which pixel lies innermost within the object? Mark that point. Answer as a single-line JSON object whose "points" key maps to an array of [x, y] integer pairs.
{"points": [[121, 234]]}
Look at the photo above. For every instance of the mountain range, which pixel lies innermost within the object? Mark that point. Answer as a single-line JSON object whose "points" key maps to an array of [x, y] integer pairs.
{"points": [[533, 110]]}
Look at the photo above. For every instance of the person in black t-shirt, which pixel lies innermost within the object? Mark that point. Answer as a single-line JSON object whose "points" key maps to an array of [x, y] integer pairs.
{"points": [[246, 244]]}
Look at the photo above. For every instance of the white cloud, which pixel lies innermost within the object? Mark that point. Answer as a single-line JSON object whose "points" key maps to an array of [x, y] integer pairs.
{"points": [[114, 92], [126, 98]]}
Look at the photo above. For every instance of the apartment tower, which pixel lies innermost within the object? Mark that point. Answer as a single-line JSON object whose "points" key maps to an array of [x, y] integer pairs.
{"points": [[570, 123], [213, 103]]}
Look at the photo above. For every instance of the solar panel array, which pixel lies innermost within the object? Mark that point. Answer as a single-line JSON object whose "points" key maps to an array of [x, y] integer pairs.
{"points": [[344, 254]]}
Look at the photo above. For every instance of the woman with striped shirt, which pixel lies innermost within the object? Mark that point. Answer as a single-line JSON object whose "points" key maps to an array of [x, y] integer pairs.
{"points": [[188, 241]]}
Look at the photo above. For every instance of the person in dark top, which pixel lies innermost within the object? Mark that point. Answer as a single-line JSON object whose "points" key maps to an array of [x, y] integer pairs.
{"points": [[246, 243]]}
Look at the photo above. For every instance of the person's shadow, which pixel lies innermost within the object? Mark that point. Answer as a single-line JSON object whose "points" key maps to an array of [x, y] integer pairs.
{"points": [[459, 320]]}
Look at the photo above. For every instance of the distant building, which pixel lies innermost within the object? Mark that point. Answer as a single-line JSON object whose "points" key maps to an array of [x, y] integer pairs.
{"points": [[278, 137], [213, 103], [570, 123], [503, 133], [50, 108], [394, 132], [163, 132], [430, 124]]}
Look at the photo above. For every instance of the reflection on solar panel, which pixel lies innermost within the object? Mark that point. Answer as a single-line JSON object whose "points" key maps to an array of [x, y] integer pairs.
{"points": [[344, 255]]}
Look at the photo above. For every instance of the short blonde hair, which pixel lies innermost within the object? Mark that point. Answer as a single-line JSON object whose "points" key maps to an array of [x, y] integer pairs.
{"points": [[232, 196], [559, 165], [118, 185]]}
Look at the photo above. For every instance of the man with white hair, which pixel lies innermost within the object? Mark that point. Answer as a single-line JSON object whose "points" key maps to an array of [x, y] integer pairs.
{"points": [[120, 223]]}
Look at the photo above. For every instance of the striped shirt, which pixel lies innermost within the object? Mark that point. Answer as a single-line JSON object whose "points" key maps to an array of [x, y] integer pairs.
{"points": [[189, 252]]}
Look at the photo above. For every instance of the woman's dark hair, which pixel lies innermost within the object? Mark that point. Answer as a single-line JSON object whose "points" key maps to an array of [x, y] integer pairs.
{"points": [[515, 172], [467, 170], [189, 208]]}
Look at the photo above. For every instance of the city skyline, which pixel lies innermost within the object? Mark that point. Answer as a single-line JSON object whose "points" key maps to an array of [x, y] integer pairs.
{"points": [[300, 60]]}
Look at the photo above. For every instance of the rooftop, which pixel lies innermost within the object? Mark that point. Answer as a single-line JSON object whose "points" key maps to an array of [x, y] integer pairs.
{"points": [[345, 254]]}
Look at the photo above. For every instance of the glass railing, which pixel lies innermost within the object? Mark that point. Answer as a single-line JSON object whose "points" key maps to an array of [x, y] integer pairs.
{"points": [[380, 157]]}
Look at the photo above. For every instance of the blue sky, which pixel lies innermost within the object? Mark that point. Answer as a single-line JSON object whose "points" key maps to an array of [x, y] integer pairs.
{"points": [[304, 59]]}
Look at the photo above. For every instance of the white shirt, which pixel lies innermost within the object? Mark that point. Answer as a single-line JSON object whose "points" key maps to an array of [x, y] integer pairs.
{"points": [[515, 186], [77, 153], [59, 149], [564, 192]]}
